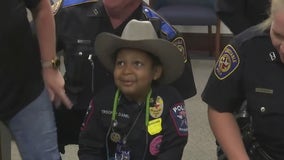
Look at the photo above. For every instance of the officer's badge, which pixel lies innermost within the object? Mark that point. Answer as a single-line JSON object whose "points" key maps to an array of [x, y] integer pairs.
{"points": [[55, 7], [180, 44], [157, 110], [227, 63]]}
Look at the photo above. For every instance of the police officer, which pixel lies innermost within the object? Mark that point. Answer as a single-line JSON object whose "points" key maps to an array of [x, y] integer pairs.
{"points": [[78, 22], [240, 15], [250, 68], [141, 118]]}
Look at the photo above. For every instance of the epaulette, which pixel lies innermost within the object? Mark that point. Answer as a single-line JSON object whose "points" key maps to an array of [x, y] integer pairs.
{"points": [[166, 28], [55, 6], [69, 3]]}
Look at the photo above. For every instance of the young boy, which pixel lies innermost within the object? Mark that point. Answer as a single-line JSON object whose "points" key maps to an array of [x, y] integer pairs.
{"points": [[140, 118]]}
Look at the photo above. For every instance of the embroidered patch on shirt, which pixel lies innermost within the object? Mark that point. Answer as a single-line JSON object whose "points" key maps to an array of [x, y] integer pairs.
{"points": [[155, 145], [180, 44], [178, 115], [227, 63]]}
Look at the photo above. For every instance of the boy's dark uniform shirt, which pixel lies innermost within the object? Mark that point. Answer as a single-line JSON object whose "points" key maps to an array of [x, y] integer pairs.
{"points": [[166, 106], [78, 22]]}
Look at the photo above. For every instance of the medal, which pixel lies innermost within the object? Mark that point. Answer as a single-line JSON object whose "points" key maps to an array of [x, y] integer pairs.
{"points": [[115, 137], [121, 152], [123, 155]]}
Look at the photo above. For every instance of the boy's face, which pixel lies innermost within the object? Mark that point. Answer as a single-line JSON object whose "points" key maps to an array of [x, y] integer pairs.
{"points": [[134, 72]]}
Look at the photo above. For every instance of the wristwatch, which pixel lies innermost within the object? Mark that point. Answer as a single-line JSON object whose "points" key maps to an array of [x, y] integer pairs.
{"points": [[54, 63]]}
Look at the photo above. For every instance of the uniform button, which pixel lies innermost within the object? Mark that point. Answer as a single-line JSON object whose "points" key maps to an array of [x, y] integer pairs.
{"points": [[262, 109], [80, 53]]}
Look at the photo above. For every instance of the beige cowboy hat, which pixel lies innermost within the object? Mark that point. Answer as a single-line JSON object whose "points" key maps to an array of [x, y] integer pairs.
{"points": [[141, 35]]}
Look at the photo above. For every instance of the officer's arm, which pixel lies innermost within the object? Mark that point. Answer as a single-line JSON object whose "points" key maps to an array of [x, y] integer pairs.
{"points": [[227, 133], [45, 28], [175, 136]]}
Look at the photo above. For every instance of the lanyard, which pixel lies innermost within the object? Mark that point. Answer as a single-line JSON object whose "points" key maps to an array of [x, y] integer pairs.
{"points": [[115, 104]]}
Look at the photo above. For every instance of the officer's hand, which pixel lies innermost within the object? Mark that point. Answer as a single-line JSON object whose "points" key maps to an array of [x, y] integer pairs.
{"points": [[54, 83]]}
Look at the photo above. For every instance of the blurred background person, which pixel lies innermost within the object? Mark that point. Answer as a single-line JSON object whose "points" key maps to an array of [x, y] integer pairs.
{"points": [[239, 15]]}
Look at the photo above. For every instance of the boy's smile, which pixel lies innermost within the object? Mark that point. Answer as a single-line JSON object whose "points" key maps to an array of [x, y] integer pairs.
{"points": [[134, 72]]}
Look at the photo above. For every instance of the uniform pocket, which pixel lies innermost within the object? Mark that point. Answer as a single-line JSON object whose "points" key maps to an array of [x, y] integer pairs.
{"points": [[267, 110]]}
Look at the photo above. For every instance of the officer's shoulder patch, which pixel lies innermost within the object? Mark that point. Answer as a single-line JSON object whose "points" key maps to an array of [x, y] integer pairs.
{"points": [[180, 44], [167, 29], [178, 115], [55, 7], [227, 63], [70, 3]]}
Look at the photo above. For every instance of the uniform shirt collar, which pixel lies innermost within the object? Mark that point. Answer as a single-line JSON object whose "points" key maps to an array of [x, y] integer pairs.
{"points": [[123, 101]]}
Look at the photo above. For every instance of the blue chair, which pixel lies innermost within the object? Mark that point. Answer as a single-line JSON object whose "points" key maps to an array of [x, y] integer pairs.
{"points": [[191, 13]]}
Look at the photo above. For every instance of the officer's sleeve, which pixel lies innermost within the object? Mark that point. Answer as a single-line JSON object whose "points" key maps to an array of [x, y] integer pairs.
{"points": [[175, 128], [92, 136], [185, 83], [31, 3], [225, 89]]}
